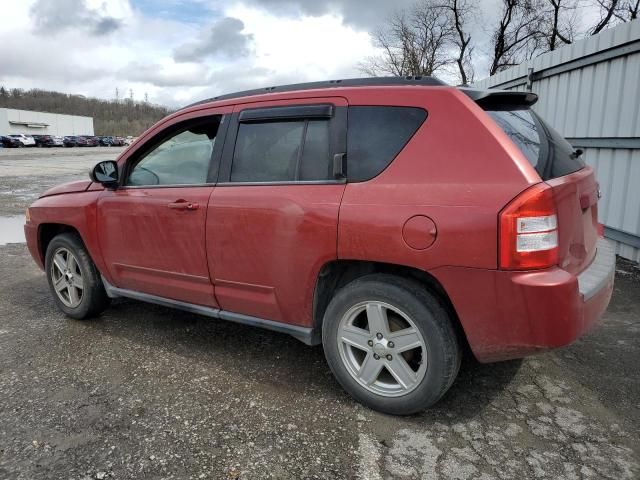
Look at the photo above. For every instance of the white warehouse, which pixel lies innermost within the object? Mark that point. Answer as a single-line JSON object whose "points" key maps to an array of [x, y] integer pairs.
{"points": [[40, 123]]}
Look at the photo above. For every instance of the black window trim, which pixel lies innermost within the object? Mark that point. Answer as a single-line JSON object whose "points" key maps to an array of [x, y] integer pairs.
{"points": [[168, 132], [337, 144], [286, 112]]}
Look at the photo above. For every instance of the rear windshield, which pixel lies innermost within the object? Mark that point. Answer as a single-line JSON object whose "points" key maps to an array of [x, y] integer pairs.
{"points": [[547, 151]]}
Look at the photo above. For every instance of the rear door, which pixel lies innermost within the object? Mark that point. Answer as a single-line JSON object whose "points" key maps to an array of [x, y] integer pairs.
{"points": [[574, 185], [272, 219]]}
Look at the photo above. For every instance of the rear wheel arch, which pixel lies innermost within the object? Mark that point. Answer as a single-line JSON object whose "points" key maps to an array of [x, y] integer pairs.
{"points": [[338, 273]]}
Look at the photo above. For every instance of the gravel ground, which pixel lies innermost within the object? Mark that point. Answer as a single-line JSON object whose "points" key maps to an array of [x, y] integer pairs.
{"points": [[148, 392]]}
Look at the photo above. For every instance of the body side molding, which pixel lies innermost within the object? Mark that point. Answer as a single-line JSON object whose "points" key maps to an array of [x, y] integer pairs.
{"points": [[306, 335]]}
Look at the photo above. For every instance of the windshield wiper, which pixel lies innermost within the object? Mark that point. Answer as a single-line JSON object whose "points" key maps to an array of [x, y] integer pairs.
{"points": [[576, 153]]}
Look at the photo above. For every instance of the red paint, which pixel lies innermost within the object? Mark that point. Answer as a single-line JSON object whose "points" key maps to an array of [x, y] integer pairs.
{"points": [[258, 250], [267, 245], [419, 232], [165, 251], [68, 187]]}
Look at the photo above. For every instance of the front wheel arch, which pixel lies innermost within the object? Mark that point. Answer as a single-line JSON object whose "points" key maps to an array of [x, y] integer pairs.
{"points": [[48, 231]]}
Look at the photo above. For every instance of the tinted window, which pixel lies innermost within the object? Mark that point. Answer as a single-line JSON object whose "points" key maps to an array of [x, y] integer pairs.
{"points": [[182, 159], [547, 151], [281, 151], [376, 135], [314, 163], [521, 128]]}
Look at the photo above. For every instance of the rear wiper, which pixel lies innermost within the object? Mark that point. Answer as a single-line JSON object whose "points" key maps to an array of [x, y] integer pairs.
{"points": [[576, 153]]}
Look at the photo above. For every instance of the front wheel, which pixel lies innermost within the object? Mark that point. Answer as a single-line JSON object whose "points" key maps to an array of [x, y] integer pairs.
{"points": [[73, 279], [391, 344]]}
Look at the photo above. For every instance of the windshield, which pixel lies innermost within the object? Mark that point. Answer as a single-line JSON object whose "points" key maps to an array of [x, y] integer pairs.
{"points": [[547, 151]]}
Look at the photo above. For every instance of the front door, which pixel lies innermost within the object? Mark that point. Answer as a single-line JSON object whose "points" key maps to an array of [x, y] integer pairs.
{"points": [[152, 228], [273, 217]]}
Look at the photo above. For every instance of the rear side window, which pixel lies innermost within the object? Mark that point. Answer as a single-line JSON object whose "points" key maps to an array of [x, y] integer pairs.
{"points": [[281, 151], [547, 151], [375, 136]]}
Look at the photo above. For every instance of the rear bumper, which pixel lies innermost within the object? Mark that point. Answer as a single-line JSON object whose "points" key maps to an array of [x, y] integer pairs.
{"points": [[513, 314]]}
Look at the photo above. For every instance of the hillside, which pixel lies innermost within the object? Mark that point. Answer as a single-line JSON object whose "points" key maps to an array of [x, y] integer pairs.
{"points": [[110, 117]]}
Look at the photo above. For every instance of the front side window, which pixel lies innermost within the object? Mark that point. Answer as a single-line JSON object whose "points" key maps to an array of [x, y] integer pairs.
{"points": [[281, 151], [181, 159]]}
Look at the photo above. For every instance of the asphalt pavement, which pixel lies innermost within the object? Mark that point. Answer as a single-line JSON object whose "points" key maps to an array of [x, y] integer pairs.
{"points": [[148, 392]]}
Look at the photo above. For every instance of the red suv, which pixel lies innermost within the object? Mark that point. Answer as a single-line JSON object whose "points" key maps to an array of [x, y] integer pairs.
{"points": [[395, 221]]}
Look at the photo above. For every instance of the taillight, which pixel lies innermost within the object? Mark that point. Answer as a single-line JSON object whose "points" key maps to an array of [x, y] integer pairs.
{"points": [[529, 231]]}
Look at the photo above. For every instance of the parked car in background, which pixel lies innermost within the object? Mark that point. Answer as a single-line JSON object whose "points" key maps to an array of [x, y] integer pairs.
{"points": [[10, 142], [81, 141], [25, 140], [104, 141], [118, 142], [87, 141], [48, 141], [129, 140], [70, 141], [394, 221]]}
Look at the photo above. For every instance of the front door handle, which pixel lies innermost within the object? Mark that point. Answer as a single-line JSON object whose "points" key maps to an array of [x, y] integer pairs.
{"points": [[183, 205]]}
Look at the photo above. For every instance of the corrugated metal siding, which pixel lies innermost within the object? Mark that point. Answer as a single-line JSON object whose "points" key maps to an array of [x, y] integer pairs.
{"points": [[598, 101]]}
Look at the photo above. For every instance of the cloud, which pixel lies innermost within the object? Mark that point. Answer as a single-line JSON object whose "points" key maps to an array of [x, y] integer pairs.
{"points": [[172, 75], [361, 14], [51, 17], [223, 39]]}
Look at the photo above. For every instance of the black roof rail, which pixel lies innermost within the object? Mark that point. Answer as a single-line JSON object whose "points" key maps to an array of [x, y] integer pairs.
{"points": [[348, 82]]}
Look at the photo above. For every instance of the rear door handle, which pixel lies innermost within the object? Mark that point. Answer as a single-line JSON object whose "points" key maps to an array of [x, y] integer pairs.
{"points": [[183, 205]]}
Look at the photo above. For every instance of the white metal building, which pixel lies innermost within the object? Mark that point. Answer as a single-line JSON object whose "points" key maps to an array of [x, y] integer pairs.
{"points": [[40, 123], [590, 92]]}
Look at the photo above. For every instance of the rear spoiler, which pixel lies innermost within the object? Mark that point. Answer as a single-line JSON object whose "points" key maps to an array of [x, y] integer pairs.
{"points": [[501, 99]]}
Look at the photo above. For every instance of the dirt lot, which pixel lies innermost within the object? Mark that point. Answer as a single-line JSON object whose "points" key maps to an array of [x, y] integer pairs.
{"points": [[147, 392]]}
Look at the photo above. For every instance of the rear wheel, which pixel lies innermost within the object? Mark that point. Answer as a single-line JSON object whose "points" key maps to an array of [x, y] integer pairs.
{"points": [[390, 344], [73, 279]]}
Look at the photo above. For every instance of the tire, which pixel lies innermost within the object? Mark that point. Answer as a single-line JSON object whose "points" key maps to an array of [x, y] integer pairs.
{"points": [[407, 305], [93, 299]]}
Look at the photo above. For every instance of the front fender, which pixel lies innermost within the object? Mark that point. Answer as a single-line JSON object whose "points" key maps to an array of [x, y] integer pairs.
{"points": [[76, 210]]}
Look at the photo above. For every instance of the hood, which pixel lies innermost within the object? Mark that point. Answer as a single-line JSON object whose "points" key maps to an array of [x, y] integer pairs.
{"points": [[69, 187]]}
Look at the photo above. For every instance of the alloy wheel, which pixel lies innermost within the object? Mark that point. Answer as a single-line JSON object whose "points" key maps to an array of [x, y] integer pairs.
{"points": [[382, 348], [66, 277]]}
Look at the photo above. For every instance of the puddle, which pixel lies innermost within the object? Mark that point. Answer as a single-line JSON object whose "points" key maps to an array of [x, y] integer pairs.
{"points": [[12, 230]]}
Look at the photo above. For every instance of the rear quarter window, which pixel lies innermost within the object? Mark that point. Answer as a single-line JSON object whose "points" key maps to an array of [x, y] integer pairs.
{"points": [[375, 136]]}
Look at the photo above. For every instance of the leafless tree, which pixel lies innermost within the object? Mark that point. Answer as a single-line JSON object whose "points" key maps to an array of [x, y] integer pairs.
{"points": [[633, 8], [558, 24], [460, 12], [517, 37], [430, 38], [414, 42], [611, 11]]}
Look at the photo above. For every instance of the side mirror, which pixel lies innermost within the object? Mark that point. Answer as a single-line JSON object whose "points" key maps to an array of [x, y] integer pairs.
{"points": [[105, 173]]}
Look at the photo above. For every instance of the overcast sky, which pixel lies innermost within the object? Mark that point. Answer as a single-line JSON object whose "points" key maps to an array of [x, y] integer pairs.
{"points": [[179, 51]]}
